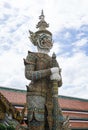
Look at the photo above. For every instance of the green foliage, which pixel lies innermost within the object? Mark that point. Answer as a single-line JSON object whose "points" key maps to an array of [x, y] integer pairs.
{"points": [[2, 126], [10, 127]]}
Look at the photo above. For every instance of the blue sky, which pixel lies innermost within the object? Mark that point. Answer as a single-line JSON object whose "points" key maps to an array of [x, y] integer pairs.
{"points": [[68, 21]]}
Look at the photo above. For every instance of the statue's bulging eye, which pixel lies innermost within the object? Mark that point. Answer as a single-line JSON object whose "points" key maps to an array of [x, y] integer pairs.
{"points": [[43, 43]]}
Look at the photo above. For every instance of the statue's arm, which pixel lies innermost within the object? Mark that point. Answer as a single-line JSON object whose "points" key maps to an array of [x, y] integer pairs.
{"points": [[30, 70], [31, 74], [60, 81], [56, 75]]}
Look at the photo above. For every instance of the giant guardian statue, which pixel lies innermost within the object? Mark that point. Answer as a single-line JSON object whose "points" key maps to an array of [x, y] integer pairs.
{"points": [[44, 112]]}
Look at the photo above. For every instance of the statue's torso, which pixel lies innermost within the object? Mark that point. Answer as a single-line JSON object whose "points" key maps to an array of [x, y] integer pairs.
{"points": [[39, 89], [42, 62]]}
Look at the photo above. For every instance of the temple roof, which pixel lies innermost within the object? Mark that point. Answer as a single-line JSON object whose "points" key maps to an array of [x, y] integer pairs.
{"points": [[18, 97], [75, 108], [14, 96], [71, 103]]}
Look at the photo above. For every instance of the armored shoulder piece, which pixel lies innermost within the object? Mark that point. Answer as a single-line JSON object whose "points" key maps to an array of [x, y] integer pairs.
{"points": [[30, 59]]}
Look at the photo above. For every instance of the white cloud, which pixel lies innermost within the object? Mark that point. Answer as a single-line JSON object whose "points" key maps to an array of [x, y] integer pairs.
{"points": [[74, 73], [56, 48], [81, 42], [67, 35]]}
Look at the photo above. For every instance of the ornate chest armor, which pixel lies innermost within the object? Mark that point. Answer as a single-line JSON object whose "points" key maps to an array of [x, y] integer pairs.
{"points": [[37, 70]]}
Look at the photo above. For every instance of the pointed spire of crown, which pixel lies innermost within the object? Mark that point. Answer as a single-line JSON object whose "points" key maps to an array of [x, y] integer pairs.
{"points": [[41, 17], [42, 25]]}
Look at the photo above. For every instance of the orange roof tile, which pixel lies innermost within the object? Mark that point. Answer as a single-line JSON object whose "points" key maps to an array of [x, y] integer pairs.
{"points": [[14, 97], [79, 124], [73, 103], [76, 115], [18, 97]]}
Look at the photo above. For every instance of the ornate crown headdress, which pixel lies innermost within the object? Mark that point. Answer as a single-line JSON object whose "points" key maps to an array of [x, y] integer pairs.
{"points": [[42, 25]]}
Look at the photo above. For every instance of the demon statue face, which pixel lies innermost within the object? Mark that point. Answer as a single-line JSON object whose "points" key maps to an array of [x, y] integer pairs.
{"points": [[42, 40]]}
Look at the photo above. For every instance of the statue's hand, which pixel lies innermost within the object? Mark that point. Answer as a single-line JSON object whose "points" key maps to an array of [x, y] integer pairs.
{"points": [[55, 70], [55, 76]]}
